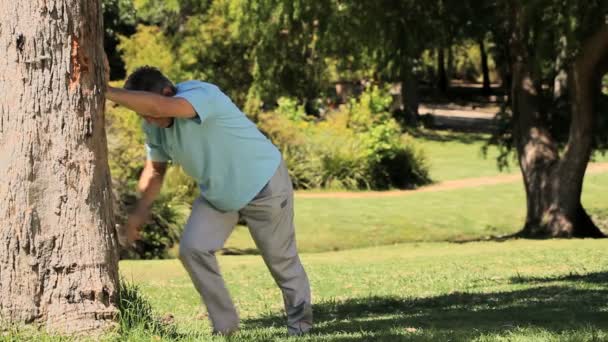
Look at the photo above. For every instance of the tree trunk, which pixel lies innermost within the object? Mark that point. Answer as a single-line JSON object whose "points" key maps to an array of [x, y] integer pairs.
{"points": [[442, 78], [450, 63], [560, 82], [553, 185], [58, 262], [409, 96], [487, 89]]}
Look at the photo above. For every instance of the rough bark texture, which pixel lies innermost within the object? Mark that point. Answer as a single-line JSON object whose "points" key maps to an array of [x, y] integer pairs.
{"points": [[560, 82], [58, 262], [554, 185]]}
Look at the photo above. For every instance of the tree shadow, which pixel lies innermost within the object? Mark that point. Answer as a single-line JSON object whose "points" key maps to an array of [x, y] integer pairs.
{"points": [[448, 136], [459, 316], [239, 251], [491, 238], [590, 278]]}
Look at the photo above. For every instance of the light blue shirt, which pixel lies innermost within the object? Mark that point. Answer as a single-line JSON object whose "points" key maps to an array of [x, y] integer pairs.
{"points": [[221, 148]]}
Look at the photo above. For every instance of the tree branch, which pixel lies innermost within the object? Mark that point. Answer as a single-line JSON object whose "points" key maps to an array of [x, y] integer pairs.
{"points": [[583, 79]]}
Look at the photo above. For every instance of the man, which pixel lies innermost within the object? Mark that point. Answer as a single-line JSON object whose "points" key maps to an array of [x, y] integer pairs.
{"points": [[240, 173]]}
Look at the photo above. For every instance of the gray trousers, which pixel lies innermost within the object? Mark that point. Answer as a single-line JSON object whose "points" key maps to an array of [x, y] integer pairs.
{"points": [[270, 219]]}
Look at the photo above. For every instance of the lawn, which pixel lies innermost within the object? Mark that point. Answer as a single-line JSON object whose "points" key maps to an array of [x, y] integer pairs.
{"points": [[326, 224], [518, 290], [485, 291], [455, 155]]}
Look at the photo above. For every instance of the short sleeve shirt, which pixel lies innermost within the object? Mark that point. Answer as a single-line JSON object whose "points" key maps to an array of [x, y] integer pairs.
{"points": [[221, 148]]}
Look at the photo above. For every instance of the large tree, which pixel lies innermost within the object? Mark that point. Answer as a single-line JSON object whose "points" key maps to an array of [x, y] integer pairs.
{"points": [[58, 262], [553, 161]]}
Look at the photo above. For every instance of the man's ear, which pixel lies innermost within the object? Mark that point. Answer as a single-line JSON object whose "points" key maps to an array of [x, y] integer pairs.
{"points": [[168, 91]]}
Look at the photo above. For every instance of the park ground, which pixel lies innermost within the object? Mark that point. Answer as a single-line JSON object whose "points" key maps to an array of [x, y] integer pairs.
{"points": [[411, 266]]}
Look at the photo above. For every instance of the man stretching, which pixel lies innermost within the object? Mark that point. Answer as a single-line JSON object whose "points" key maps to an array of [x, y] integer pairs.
{"points": [[240, 174]]}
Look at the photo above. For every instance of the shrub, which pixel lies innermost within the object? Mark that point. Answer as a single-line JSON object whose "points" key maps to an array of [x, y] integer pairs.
{"points": [[358, 146], [407, 167]]}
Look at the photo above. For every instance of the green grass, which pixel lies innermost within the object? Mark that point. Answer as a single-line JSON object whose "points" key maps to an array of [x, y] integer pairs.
{"points": [[485, 291], [518, 290], [455, 155], [325, 224]]}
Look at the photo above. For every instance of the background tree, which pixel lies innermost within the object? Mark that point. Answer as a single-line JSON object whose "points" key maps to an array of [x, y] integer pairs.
{"points": [[58, 262], [554, 136], [285, 47], [478, 18]]}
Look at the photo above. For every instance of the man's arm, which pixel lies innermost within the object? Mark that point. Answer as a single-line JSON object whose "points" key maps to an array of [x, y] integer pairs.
{"points": [[150, 183], [151, 104]]}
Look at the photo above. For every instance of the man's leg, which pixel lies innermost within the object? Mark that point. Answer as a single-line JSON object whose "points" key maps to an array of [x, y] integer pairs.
{"points": [[270, 220], [206, 232]]}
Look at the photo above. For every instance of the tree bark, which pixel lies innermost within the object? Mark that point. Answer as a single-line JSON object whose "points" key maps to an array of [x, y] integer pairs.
{"points": [[487, 89], [553, 185], [560, 82], [409, 96], [58, 261]]}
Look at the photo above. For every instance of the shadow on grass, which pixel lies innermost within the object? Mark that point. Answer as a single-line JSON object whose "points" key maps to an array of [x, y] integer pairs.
{"points": [[448, 136], [239, 251], [590, 278], [491, 238], [460, 316]]}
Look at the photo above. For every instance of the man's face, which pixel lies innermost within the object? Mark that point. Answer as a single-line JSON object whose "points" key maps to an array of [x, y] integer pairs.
{"points": [[160, 122]]}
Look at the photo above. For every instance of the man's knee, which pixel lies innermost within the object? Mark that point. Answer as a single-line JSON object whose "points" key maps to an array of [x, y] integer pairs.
{"points": [[283, 263], [189, 251]]}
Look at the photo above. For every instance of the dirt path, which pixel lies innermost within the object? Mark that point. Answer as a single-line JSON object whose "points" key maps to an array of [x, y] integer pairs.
{"points": [[593, 168]]}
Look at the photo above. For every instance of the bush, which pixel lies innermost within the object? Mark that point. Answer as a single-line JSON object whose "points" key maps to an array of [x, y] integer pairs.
{"points": [[404, 169], [393, 161], [359, 146]]}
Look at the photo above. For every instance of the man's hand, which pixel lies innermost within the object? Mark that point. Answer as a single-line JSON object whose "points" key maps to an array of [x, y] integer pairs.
{"points": [[136, 220], [149, 186]]}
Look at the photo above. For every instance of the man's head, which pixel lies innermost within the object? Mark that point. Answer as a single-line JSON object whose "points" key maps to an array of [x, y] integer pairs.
{"points": [[147, 78]]}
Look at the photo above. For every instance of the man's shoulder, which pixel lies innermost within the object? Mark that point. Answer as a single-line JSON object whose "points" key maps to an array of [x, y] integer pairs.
{"points": [[195, 84]]}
